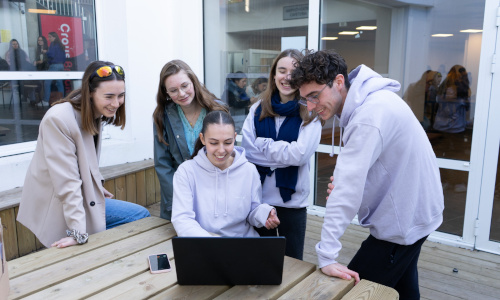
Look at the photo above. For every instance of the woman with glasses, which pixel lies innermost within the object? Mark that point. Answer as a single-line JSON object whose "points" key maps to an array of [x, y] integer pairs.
{"points": [[63, 199], [279, 137], [41, 61], [182, 103]]}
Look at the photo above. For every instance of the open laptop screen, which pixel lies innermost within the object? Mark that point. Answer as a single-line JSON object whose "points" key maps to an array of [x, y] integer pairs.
{"points": [[229, 260]]}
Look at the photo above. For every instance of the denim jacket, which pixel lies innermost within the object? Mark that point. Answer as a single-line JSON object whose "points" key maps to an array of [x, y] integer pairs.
{"points": [[168, 158]]}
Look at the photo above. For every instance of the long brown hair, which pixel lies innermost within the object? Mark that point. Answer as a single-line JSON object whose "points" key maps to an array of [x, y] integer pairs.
{"points": [[81, 99], [201, 94], [267, 108]]}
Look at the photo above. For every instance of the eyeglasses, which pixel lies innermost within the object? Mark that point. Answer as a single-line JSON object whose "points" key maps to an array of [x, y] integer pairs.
{"points": [[313, 99], [174, 93], [106, 71]]}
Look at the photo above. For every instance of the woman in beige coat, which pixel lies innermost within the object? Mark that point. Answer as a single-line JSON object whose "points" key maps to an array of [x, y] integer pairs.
{"points": [[63, 198]]}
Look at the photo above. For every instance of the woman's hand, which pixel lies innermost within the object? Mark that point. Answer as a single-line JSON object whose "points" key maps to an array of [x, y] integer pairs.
{"points": [[330, 187], [107, 194], [272, 220], [64, 242]]}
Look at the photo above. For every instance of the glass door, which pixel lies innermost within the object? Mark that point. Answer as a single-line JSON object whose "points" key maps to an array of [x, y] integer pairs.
{"points": [[488, 220], [441, 54]]}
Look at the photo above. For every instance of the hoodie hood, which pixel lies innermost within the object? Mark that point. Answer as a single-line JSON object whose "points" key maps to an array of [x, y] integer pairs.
{"points": [[364, 81], [202, 160]]}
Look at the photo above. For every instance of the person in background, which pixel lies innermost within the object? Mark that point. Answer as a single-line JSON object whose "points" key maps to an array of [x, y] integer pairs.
{"points": [[56, 59], [218, 192], [17, 59], [258, 86], [386, 172], [64, 199], [182, 103], [453, 101], [41, 61], [280, 137], [234, 93]]}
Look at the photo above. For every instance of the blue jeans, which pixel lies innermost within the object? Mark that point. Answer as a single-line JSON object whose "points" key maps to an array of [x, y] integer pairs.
{"points": [[293, 227], [59, 83], [389, 264], [121, 212]]}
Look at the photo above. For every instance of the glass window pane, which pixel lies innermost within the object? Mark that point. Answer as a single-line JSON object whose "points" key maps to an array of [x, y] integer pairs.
{"points": [[40, 36], [324, 170], [432, 51], [21, 109], [47, 35], [455, 194], [242, 38]]}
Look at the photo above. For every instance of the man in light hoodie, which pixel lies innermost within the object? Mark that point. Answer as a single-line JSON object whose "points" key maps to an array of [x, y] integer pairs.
{"points": [[386, 172]]}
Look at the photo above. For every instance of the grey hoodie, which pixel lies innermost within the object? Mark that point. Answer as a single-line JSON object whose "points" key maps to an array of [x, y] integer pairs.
{"points": [[225, 202], [386, 172]]}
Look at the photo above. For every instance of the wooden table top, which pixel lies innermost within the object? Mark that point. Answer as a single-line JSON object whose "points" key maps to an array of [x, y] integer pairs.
{"points": [[113, 264]]}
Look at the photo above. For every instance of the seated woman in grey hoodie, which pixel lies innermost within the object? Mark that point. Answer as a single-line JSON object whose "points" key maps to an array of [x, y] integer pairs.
{"points": [[218, 192]]}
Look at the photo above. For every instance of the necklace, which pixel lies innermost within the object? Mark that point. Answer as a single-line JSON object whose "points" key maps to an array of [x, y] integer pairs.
{"points": [[193, 118]]}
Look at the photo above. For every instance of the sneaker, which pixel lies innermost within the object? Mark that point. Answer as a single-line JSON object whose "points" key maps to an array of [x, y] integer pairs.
{"points": [[41, 104]]}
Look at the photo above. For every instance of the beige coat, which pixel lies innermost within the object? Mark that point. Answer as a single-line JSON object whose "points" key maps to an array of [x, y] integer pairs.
{"points": [[63, 186]]}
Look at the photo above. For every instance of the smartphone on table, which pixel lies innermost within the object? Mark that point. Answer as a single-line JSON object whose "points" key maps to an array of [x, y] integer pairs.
{"points": [[159, 263]]}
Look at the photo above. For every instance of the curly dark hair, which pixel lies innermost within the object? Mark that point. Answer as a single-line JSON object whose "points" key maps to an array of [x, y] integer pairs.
{"points": [[319, 66]]}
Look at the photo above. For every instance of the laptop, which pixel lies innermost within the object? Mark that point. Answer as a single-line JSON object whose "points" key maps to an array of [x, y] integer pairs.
{"points": [[229, 260]]}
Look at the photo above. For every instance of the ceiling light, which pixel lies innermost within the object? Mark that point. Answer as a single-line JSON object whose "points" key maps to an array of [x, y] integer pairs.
{"points": [[471, 30], [41, 11], [348, 32], [329, 38], [366, 28], [442, 35]]}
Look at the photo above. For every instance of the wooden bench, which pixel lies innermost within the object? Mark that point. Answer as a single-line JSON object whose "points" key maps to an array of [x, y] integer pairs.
{"points": [[134, 182]]}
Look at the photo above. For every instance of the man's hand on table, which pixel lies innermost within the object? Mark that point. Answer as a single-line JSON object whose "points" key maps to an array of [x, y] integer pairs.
{"points": [[340, 271], [64, 242]]}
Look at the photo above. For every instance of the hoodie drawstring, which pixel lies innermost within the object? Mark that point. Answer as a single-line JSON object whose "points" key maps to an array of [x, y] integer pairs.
{"points": [[225, 194], [216, 192], [333, 136]]}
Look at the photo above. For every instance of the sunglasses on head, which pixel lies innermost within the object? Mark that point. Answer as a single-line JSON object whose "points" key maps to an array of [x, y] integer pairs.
{"points": [[106, 71]]}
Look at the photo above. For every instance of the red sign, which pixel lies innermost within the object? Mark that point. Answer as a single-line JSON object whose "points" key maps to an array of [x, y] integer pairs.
{"points": [[69, 30]]}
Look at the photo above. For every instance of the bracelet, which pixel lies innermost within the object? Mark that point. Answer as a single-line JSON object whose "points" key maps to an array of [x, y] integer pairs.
{"points": [[80, 238]]}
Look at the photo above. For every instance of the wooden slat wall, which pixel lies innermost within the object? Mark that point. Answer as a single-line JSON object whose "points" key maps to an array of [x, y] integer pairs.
{"points": [[141, 187]]}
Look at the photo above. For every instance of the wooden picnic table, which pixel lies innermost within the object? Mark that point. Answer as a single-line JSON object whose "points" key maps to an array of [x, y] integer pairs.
{"points": [[113, 264]]}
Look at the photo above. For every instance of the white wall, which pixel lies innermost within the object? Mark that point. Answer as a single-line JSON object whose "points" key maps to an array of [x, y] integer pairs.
{"points": [[151, 34], [141, 36]]}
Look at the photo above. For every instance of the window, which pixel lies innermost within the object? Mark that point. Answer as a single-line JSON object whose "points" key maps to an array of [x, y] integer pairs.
{"points": [[242, 38], [41, 43], [433, 51]]}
